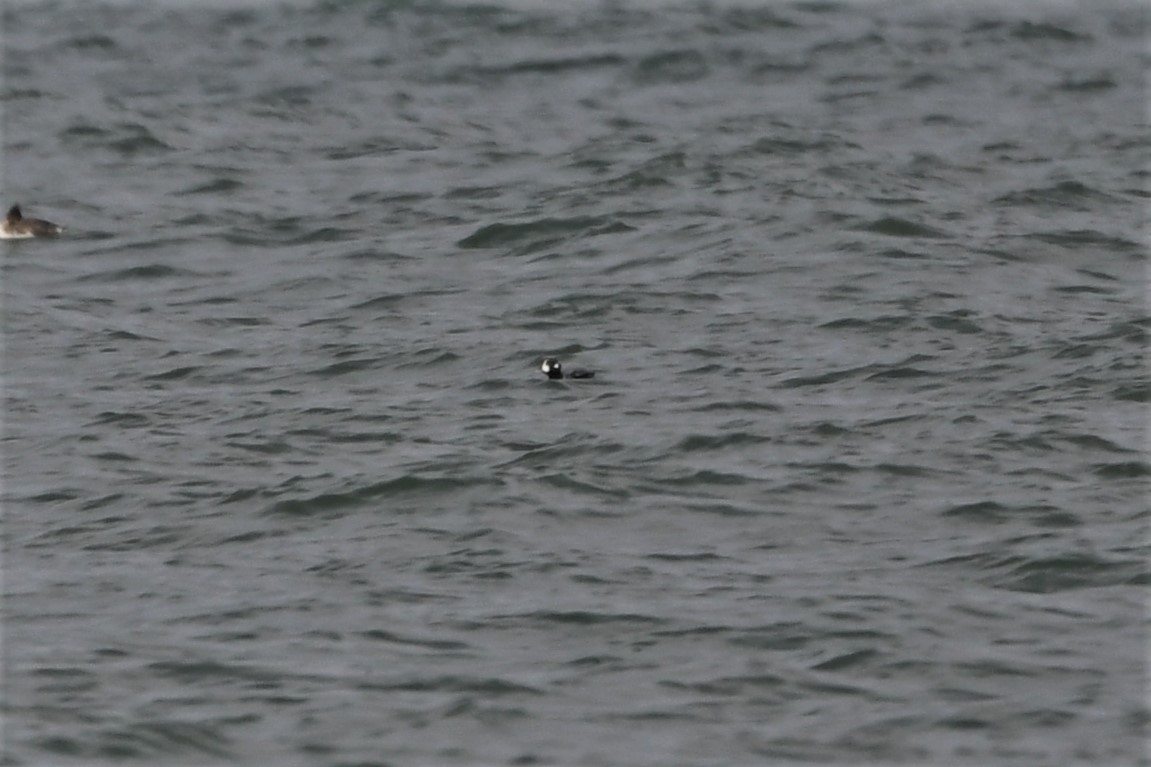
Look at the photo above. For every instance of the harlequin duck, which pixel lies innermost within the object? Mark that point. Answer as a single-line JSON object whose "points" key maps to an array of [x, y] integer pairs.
{"points": [[553, 370], [15, 226]]}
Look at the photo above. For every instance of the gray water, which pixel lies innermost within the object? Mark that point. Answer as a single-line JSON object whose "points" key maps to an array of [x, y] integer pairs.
{"points": [[861, 479]]}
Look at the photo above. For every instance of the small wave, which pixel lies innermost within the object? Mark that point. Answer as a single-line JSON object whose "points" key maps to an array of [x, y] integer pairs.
{"points": [[343, 367], [213, 187], [708, 477], [56, 496], [1088, 84], [83, 130], [653, 173], [725, 508], [675, 66], [1133, 393], [1123, 470], [15, 94], [735, 406], [697, 442], [140, 142], [1026, 31], [1080, 238], [376, 148], [92, 42], [747, 18], [898, 372], [821, 379], [231, 322], [323, 234], [262, 447], [956, 322], [1050, 574], [563, 64], [992, 512], [146, 740], [390, 300], [429, 357], [145, 272], [1038, 31], [193, 671], [567, 482], [124, 420], [379, 635], [580, 618], [338, 503], [892, 226], [1133, 331], [1046, 575], [532, 235], [883, 324], [175, 374], [1069, 194], [563, 450], [795, 146], [285, 232], [454, 684], [127, 335]]}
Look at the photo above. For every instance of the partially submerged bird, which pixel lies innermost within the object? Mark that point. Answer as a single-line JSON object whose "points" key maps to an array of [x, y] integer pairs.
{"points": [[552, 369], [15, 226]]}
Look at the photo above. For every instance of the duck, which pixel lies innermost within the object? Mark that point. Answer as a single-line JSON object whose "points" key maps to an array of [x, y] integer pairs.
{"points": [[552, 369], [16, 226]]}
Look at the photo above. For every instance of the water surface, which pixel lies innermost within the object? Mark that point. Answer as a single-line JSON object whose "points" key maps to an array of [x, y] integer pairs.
{"points": [[862, 478]]}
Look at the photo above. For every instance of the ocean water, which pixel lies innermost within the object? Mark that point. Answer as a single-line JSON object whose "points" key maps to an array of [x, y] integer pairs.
{"points": [[862, 477]]}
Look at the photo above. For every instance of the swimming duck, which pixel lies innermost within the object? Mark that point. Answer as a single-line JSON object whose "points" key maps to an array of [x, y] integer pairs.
{"points": [[552, 369], [15, 226]]}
